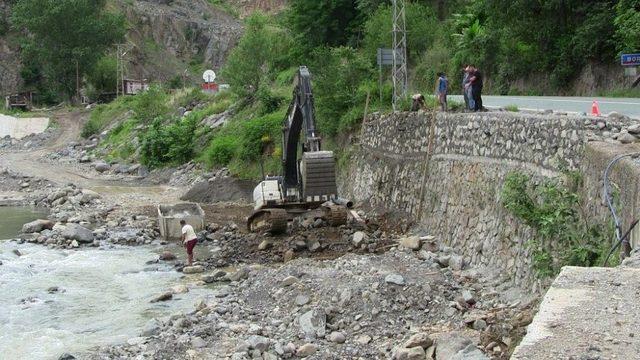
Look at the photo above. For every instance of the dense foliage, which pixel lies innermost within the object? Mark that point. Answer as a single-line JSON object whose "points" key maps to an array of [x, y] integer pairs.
{"points": [[555, 210], [63, 37]]}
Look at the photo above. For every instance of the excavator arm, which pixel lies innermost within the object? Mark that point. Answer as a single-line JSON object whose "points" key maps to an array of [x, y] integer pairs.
{"points": [[301, 115], [315, 175], [308, 181]]}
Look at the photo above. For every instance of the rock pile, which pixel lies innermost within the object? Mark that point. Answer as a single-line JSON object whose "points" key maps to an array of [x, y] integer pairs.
{"points": [[613, 128], [398, 304], [80, 217]]}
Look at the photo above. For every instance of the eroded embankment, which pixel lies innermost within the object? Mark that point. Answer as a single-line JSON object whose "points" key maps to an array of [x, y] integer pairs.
{"points": [[448, 174]]}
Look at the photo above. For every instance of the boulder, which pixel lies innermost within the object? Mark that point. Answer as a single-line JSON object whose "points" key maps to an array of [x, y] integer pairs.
{"points": [[192, 269], [258, 342], [359, 237], [306, 350], [152, 327], [454, 346], [88, 196], [627, 138], [77, 232], [313, 323], [167, 256], [337, 337], [163, 297], [456, 262], [413, 353], [395, 279], [102, 166], [411, 242], [37, 226], [634, 129], [421, 339]]}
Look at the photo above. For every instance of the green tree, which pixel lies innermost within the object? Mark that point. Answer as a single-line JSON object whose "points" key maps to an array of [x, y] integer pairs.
{"points": [[260, 54], [64, 35], [102, 77], [336, 85], [422, 29], [315, 23], [627, 25]]}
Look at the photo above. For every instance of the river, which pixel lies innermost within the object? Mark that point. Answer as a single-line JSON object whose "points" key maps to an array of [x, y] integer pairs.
{"points": [[103, 296]]}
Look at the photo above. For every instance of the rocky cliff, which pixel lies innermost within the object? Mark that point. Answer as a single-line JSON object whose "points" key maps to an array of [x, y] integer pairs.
{"points": [[168, 37]]}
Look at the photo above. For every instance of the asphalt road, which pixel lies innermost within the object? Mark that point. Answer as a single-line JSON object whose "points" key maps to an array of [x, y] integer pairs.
{"points": [[626, 106]]}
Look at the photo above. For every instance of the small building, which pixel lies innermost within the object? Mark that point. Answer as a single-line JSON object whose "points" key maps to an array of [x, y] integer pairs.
{"points": [[22, 100], [210, 87], [133, 87]]}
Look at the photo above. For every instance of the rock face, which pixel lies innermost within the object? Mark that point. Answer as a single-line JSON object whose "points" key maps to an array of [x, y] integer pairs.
{"points": [[183, 30], [77, 232]]}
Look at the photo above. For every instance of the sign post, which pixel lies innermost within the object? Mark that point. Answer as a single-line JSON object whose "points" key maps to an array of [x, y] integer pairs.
{"points": [[385, 58]]}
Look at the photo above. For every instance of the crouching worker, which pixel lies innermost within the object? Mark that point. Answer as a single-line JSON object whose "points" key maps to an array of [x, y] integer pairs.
{"points": [[189, 239]]}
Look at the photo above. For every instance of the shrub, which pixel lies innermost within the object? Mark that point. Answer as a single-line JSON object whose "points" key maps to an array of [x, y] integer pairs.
{"points": [[168, 144], [564, 236], [150, 104], [221, 150], [257, 133]]}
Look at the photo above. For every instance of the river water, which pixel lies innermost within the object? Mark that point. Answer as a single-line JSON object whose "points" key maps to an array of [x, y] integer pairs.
{"points": [[103, 298]]}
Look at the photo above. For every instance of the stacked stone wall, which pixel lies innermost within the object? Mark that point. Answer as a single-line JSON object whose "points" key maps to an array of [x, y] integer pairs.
{"points": [[448, 173]]}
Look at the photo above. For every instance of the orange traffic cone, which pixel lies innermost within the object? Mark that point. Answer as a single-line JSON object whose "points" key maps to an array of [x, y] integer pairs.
{"points": [[595, 109]]}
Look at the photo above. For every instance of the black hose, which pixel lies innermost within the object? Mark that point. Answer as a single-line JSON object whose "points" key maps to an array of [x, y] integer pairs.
{"points": [[609, 199], [618, 243]]}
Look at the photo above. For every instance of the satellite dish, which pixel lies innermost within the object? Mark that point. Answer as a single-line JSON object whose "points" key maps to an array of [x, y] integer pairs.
{"points": [[209, 76]]}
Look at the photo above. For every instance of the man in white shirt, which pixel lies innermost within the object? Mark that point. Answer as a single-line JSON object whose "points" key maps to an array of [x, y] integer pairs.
{"points": [[189, 239]]}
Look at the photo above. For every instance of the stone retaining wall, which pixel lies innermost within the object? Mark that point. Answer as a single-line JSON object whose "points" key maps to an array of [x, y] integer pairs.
{"points": [[448, 174]]}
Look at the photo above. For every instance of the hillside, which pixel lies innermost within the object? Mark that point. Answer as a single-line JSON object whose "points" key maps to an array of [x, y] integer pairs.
{"points": [[166, 39]]}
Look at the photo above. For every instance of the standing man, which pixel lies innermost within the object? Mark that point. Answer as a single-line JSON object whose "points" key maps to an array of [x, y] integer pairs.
{"points": [[476, 82], [189, 239], [467, 87], [441, 91], [465, 81]]}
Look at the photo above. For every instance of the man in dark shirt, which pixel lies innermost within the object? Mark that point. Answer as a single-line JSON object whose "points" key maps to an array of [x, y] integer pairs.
{"points": [[476, 82]]}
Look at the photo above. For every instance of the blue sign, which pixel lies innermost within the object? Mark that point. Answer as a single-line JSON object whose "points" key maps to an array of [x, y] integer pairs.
{"points": [[630, 60]]}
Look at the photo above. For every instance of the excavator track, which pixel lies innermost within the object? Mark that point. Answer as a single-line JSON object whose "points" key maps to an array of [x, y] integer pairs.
{"points": [[335, 215], [268, 220]]}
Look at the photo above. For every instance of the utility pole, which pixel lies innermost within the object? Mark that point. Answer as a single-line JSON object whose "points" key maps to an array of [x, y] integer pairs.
{"points": [[118, 69], [399, 70], [78, 82]]}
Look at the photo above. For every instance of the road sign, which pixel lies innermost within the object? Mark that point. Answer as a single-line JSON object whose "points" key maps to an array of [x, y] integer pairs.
{"points": [[385, 56], [630, 59], [209, 76]]}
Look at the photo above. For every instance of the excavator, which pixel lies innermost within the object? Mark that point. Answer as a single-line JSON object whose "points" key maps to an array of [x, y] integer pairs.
{"points": [[308, 180]]}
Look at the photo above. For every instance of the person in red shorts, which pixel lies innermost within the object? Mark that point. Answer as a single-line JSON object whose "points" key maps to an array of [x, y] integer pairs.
{"points": [[189, 239]]}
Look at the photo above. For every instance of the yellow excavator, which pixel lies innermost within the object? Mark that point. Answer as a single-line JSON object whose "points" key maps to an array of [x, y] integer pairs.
{"points": [[308, 181]]}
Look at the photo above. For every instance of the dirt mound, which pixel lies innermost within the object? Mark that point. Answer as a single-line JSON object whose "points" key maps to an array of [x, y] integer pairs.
{"points": [[226, 189]]}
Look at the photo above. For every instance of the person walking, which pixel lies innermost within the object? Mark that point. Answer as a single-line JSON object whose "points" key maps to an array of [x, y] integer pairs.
{"points": [[476, 84], [189, 239], [441, 91]]}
